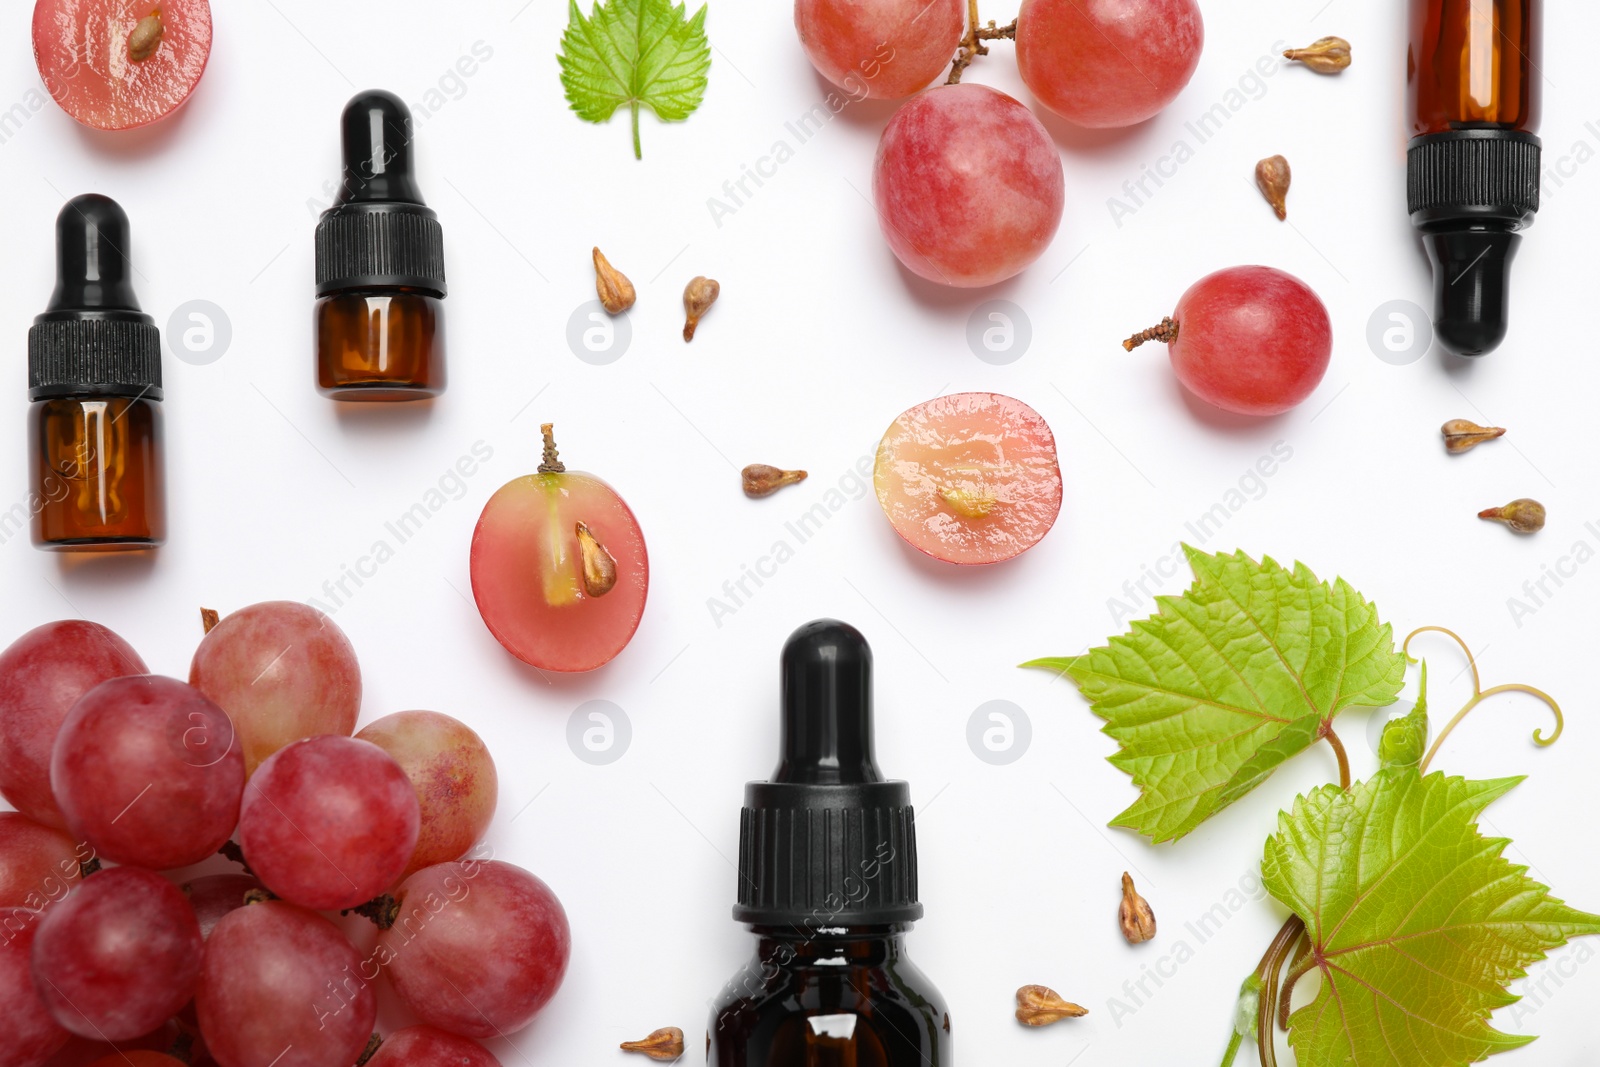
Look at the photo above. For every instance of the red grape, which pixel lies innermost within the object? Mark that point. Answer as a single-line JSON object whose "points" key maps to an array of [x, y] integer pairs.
{"points": [[81, 47], [42, 675], [38, 865], [31, 1034], [425, 1046], [528, 576], [1104, 63], [968, 185], [118, 957], [329, 822], [884, 49], [478, 947], [454, 777], [1251, 340], [216, 895], [281, 987], [969, 478], [147, 771], [282, 671]]}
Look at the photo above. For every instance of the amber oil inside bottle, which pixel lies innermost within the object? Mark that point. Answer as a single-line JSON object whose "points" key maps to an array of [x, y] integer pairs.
{"points": [[1475, 64], [380, 345], [96, 474]]}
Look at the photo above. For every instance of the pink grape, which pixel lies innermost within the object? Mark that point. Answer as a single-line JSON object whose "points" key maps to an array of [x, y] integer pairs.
{"points": [[426, 1046], [329, 822], [282, 987], [148, 772], [1251, 340], [118, 957], [884, 49], [477, 948], [31, 1034], [38, 865], [42, 675], [1108, 63], [282, 671], [968, 186], [216, 895], [454, 777]]}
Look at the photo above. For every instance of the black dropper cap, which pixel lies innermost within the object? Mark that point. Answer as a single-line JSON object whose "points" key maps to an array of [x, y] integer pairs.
{"points": [[828, 842], [379, 234], [93, 340], [1469, 192]]}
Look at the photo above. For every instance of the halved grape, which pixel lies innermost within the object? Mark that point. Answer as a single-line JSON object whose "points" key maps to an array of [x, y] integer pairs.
{"points": [[216, 895], [1108, 63], [453, 774], [31, 1033], [528, 569], [884, 49], [477, 948], [969, 478], [148, 772], [82, 49], [282, 671], [329, 822], [282, 987], [118, 957], [42, 675], [426, 1046], [968, 185], [38, 865]]}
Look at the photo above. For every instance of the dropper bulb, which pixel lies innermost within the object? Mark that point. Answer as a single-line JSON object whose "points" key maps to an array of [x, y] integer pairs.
{"points": [[1471, 286], [376, 131], [92, 267], [827, 707]]}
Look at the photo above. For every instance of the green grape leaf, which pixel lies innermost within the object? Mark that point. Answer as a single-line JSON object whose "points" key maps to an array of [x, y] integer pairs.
{"points": [[635, 52], [1417, 922], [1242, 672], [1405, 740]]}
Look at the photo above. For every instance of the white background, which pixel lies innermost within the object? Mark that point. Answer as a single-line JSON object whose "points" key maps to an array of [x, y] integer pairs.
{"points": [[818, 342]]}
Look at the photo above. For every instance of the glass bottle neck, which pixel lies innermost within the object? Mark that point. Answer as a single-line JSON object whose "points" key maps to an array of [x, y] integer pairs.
{"points": [[863, 946]]}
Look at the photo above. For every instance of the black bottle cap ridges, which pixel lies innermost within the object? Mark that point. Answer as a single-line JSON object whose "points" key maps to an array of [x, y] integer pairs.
{"points": [[1469, 192], [828, 842], [379, 234], [93, 340]]}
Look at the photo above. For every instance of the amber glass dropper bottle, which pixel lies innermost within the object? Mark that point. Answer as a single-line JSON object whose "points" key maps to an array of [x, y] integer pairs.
{"points": [[1473, 85], [94, 375], [828, 885], [380, 266]]}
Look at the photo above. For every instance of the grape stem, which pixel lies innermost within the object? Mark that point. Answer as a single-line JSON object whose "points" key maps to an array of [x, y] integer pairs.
{"points": [[381, 910], [371, 1050], [1166, 332], [972, 45], [231, 850], [551, 460]]}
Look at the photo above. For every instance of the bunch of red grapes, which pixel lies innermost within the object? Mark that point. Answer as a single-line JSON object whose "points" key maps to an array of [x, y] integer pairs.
{"points": [[112, 951], [968, 184]]}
